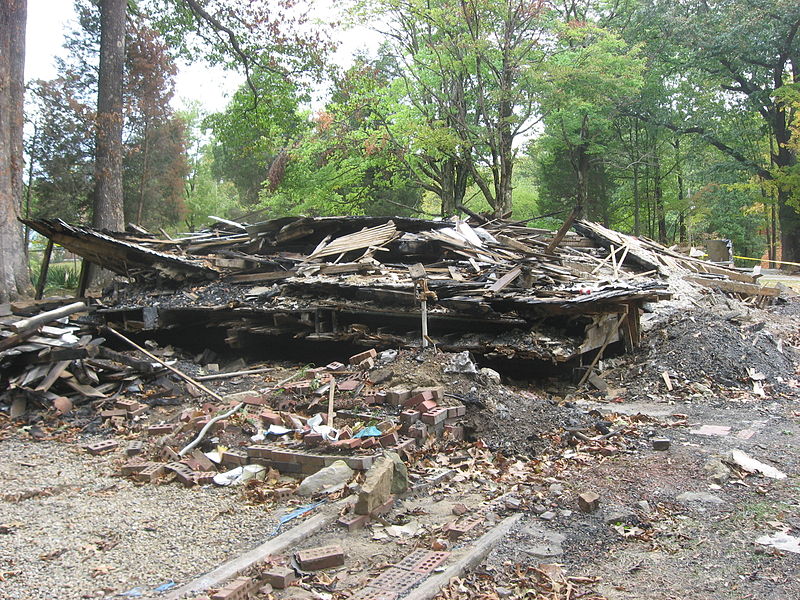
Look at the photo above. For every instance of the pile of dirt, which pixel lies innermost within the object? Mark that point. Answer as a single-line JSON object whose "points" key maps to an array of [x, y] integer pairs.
{"points": [[507, 418], [717, 347]]}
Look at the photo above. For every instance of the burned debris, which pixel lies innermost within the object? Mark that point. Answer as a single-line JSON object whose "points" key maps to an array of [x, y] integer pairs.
{"points": [[497, 290]]}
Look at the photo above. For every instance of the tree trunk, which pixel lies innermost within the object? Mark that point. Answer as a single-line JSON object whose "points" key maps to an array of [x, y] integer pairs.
{"points": [[789, 221], [108, 212], [448, 187], [14, 279], [143, 179], [658, 200], [107, 206]]}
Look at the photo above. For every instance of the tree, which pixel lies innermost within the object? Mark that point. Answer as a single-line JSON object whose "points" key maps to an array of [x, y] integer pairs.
{"points": [[473, 68], [749, 50], [108, 213], [14, 279]]}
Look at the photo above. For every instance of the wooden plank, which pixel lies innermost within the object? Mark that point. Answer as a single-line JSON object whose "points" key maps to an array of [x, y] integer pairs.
{"points": [[264, 276], [736, 287], [55, 372], [506, 279]]}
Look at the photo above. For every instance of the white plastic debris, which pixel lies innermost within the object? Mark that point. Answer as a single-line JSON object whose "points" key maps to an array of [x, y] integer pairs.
{"points": [[781, 541], [751, 465]]}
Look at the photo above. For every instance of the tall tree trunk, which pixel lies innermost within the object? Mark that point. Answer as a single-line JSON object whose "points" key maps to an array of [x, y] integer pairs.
{"points": [[14, 279], [108, 150], [107, 205], [658, 200], [637, 219], [143, 179], [448, 187]]}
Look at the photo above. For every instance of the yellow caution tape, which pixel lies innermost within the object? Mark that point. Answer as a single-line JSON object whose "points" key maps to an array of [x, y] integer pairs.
{"points": [[780, 262]]}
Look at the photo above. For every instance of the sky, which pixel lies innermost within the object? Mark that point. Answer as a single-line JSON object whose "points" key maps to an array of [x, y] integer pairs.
{"points": [[48, 20]]}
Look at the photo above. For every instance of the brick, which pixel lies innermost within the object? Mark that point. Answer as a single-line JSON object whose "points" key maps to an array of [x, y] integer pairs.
{"points": [[139, 409], [348, 444], [380, 397], [239, 589], [234, 458], [396, 580], [282, 493], [182, 472], [435, 416], [383, 508], [270, 418], [134, 448], [418, 431], [125, 405], [390, 439], [313, 439], [279, 577], [436, 393], [168, 454], [462, 526], [345, 433], [314, 461], [285, 456], [353, 522], [283, 467], [426, 406], [151, 473], [134, 466], [323, 557], [405, 445], [409, 417], [334, 366], [366, 365], [362, 356], [373, 593], [204, 477], [370, 442], [259, 451], [419, 398], [588, 501], [160, 429], [661, 444], [348, 385], [114, 412], [453, 411], [396, 397], [422, 561], [101, 447]]}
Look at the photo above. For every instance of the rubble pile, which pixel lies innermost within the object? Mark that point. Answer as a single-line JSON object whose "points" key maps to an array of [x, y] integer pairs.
{"points": [[499, 290]]}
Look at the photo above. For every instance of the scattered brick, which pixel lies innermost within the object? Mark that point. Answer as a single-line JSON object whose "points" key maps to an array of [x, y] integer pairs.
{"points": [[134, 448], [279, 577], [134, 466], [396, 580], [125, 405], [168, 454], [588, 501], [101, 447], [233, 458], [204, 477], [422, 561], [460, 509], [270, 418], [369, 442], [239, 589], [334, 366], [661, 444], [409, 417], [390, 439], [313, 439], [418, 431], [436, 393], [353, 522], [462, 526], [397, 396], [160, 429], [345, 433], [426, 406], [348, 385], [150, 474], [114, 412], [359, 463], [323, 557], [434, 416], [282, 493], [362, 356], [380, 397], [348, 444], [139, 409]]}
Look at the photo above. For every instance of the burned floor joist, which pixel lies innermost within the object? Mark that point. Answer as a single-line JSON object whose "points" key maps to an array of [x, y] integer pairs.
{"points": [[500, 290]]}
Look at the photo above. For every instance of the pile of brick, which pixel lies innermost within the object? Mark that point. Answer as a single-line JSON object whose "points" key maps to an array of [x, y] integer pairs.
{"points": [[404, 419]]}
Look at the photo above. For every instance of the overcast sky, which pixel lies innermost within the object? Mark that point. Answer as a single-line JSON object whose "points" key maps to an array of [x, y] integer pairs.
{"points": [[48, 20]]}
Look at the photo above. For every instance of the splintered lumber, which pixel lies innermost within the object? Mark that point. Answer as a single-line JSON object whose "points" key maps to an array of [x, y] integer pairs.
{"points": [[737, 287], [369, 237], [25, 325], [563, 230]]}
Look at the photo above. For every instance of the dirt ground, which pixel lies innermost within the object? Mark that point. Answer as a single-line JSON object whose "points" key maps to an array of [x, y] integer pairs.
{"points": [[671, 524]]}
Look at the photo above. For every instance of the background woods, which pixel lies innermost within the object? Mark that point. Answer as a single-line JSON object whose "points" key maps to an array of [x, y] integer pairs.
{"points": [[673, 120]]}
